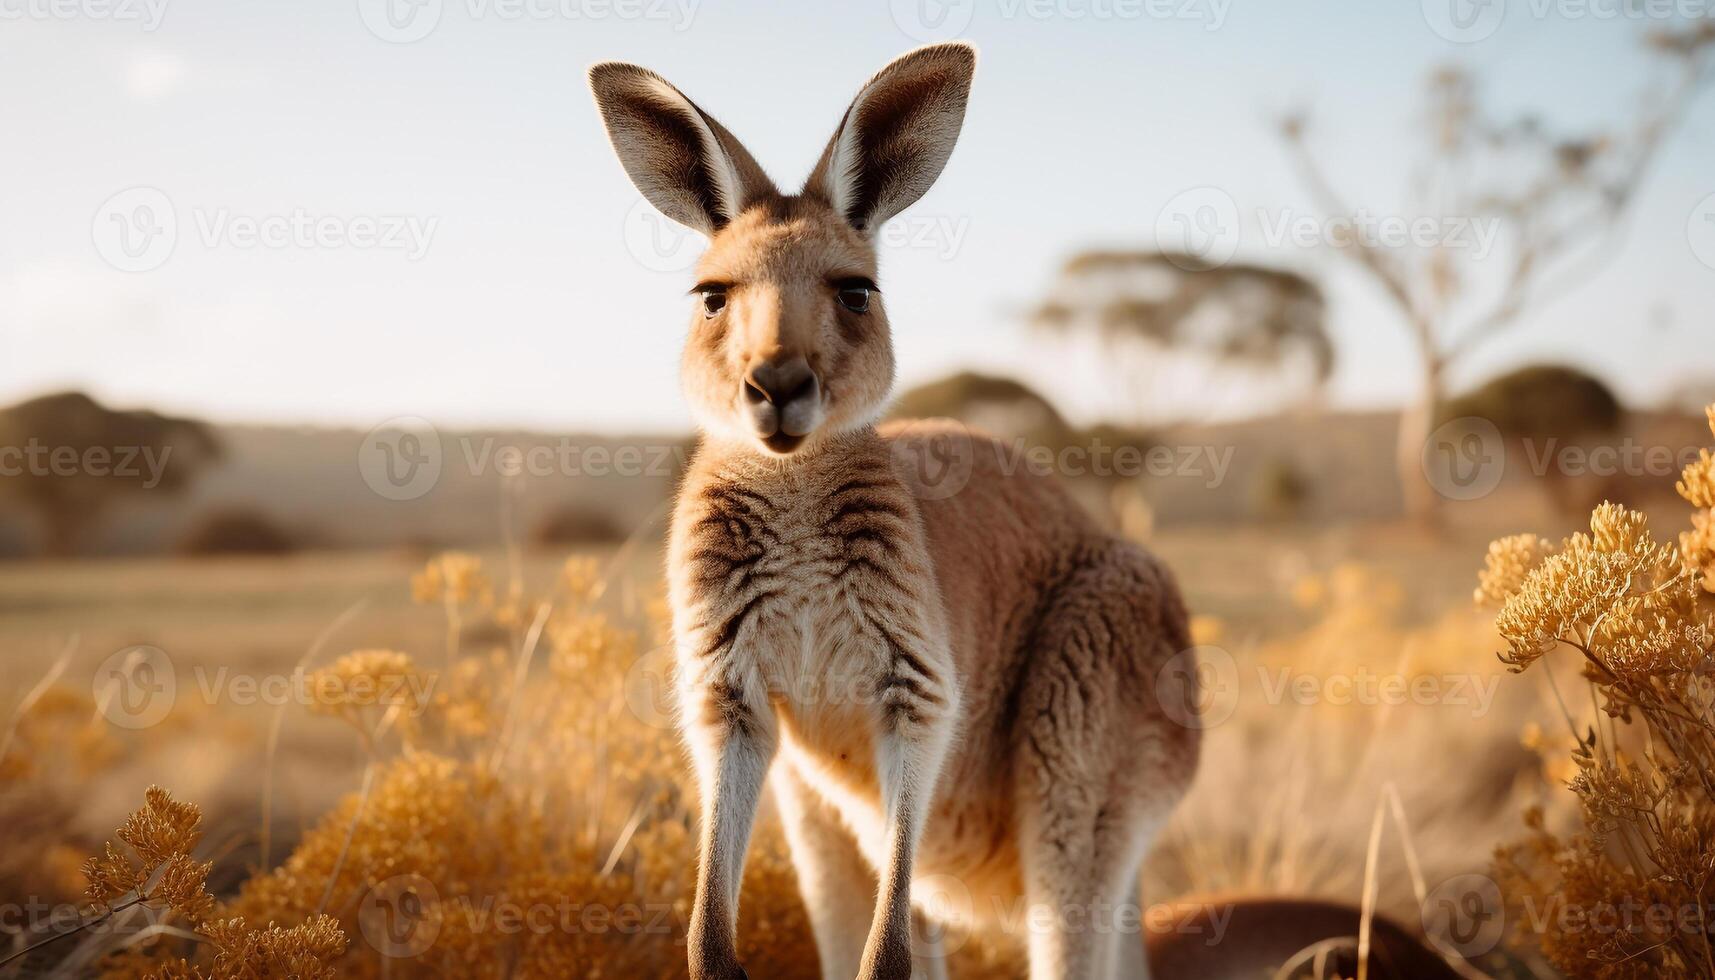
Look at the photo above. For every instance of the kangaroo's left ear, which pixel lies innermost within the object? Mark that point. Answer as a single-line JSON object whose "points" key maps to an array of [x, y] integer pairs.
{"points": [[684, 162], [897, 135]]}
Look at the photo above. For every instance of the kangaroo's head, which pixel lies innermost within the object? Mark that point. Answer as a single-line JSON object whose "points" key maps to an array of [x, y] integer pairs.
{"points": [[789, 339]]}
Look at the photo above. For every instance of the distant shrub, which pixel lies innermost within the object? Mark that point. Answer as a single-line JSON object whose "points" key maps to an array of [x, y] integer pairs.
{"points": [[238, 531], [1004, 406], [574, 525], [1548, 406], [1543, 401], [1281, 489]]}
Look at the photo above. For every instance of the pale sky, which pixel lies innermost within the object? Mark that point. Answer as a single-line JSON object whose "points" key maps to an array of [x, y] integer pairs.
{"points": [[365, 225]]}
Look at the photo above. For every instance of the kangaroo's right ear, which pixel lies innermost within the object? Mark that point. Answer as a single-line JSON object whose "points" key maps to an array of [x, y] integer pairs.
{"points": [[896, 136], [685, 164]]}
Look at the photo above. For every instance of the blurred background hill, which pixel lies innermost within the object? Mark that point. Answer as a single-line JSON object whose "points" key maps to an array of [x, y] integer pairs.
{"points": [[275, 489]]}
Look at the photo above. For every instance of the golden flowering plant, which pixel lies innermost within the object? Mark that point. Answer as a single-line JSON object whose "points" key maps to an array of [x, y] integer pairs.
{"points": [[371, 690], [161, 834], [532, 823], [155, 870], [1632, 892]]}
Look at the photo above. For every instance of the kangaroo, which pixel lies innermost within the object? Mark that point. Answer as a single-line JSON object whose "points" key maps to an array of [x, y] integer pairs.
{"points": [[962, 687]]}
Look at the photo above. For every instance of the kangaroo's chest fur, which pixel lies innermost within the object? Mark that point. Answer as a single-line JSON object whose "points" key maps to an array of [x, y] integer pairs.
{"points": [[849, 601], [813, 586]]}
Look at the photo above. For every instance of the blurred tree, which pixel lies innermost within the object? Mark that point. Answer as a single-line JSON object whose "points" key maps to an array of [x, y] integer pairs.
{"points": [[1556, 198], [1178, 332], [65, 458], [1543, 409]]}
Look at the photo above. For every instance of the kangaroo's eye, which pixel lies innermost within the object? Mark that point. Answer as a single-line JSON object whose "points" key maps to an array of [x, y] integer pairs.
{"points": [[714, 301], [854, 298]]}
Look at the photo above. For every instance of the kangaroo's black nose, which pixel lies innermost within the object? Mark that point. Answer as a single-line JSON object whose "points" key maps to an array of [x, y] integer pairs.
{"points": [[780, 383]]}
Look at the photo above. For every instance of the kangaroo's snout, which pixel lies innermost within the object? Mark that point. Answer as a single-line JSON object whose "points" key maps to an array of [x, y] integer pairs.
{"points": [[784, 396]]}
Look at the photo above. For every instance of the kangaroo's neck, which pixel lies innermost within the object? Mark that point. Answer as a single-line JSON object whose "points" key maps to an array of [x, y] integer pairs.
{"points": [[827, 460], [813, 474]]}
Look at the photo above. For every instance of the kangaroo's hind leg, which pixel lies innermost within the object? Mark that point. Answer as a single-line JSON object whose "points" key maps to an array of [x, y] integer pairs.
{"points": [[1100, 763], [837, 884], [1081, 885], [1131, 953]]}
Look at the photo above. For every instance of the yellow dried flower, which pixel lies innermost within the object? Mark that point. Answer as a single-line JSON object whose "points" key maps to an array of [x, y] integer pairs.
{"points": [[162, 827], [1697, 483], [451, 577], [1531, 736], [580, 578], [162, 833], [303, 952], [1561, 598], [1207, 629], [1309, 591], [368, 679], [1697, 547], [1506, 565], [111, 876], [181, 887]]}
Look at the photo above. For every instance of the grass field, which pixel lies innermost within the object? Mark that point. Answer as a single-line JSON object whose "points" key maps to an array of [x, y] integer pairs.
{"points": [[1302, 627]]}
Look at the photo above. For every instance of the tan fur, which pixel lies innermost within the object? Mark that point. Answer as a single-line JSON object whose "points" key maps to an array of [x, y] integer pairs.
{"points": [[960, 690]]}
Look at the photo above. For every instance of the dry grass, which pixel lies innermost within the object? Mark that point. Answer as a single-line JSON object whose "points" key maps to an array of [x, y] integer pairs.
{"points": [[489, 785]]}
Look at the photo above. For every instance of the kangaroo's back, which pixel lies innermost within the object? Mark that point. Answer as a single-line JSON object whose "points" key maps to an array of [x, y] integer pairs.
{"points": [[1006, 538]]}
